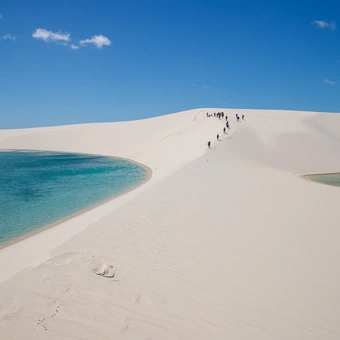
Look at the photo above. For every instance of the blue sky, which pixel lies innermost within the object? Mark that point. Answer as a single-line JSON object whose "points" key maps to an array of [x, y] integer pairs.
{"points": [[66, 62]]}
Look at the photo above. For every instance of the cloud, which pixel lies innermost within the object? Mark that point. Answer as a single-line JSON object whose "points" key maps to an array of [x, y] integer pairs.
{"points": [[63, 39], [325, 24], [8, 37], [205, 87], [49, 36], [97, 40], [327, 81]]}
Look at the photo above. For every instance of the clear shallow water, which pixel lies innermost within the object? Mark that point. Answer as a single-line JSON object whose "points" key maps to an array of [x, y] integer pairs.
{"points": [[39, 188], [330, 179]]}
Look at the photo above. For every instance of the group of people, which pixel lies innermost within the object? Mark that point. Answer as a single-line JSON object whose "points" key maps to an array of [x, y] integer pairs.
{"points": [[238, 117], [220, 115]]}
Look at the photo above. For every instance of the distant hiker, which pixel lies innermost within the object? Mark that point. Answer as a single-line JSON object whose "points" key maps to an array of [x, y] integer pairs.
{"points": [[224, 130], [214, 114], [227, 125], [218, 136], [207, 114], [209, 144], [222, 114], [242, 116], [226, 117]]}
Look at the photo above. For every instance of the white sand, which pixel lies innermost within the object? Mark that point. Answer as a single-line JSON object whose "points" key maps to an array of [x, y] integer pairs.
{"points": [[227, 243]]}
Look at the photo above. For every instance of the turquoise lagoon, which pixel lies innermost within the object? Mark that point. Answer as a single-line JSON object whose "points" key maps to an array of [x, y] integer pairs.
{"points": [[41, 188], [330, 179]]}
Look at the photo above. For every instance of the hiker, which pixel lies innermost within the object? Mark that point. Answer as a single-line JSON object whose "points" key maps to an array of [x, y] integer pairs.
{"points": [[209, 144], [224, 130], [226, 118], [214, 114], [218, 136], [227, 123], [243, 117]]}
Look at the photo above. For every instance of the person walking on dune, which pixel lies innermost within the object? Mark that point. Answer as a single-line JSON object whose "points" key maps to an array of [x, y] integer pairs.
{"points": [[218, 136], [209, 144]]}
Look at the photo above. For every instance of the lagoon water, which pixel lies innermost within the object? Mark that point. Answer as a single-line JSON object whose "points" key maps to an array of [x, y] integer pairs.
{"points": [[330, 179], [40, 188]]}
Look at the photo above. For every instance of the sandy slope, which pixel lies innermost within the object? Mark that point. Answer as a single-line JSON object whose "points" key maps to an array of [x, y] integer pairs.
{"points": [[231, 244]]}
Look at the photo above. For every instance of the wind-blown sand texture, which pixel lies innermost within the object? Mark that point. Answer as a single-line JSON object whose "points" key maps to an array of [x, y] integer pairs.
{"points": [[223, 243]]}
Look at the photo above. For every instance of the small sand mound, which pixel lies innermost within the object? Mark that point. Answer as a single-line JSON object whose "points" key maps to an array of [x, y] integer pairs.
{"points": [[105, 270]]}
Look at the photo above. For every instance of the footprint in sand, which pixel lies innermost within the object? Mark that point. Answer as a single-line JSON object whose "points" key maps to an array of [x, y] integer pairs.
{"points": [[9, 308]]}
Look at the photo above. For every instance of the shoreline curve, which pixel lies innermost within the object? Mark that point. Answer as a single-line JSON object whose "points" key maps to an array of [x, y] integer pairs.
{"points": [[78, 213]]}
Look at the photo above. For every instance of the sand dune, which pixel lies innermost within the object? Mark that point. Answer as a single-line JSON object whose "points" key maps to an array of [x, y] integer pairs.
{"points": [[229, 242]]}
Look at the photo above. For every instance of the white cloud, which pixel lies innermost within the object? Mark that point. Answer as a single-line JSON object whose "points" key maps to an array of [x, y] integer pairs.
{"points": [[49, 36], [97, 40], [327, 81], [8, 37], [63, 38], [205, 87], [325, 24]]}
